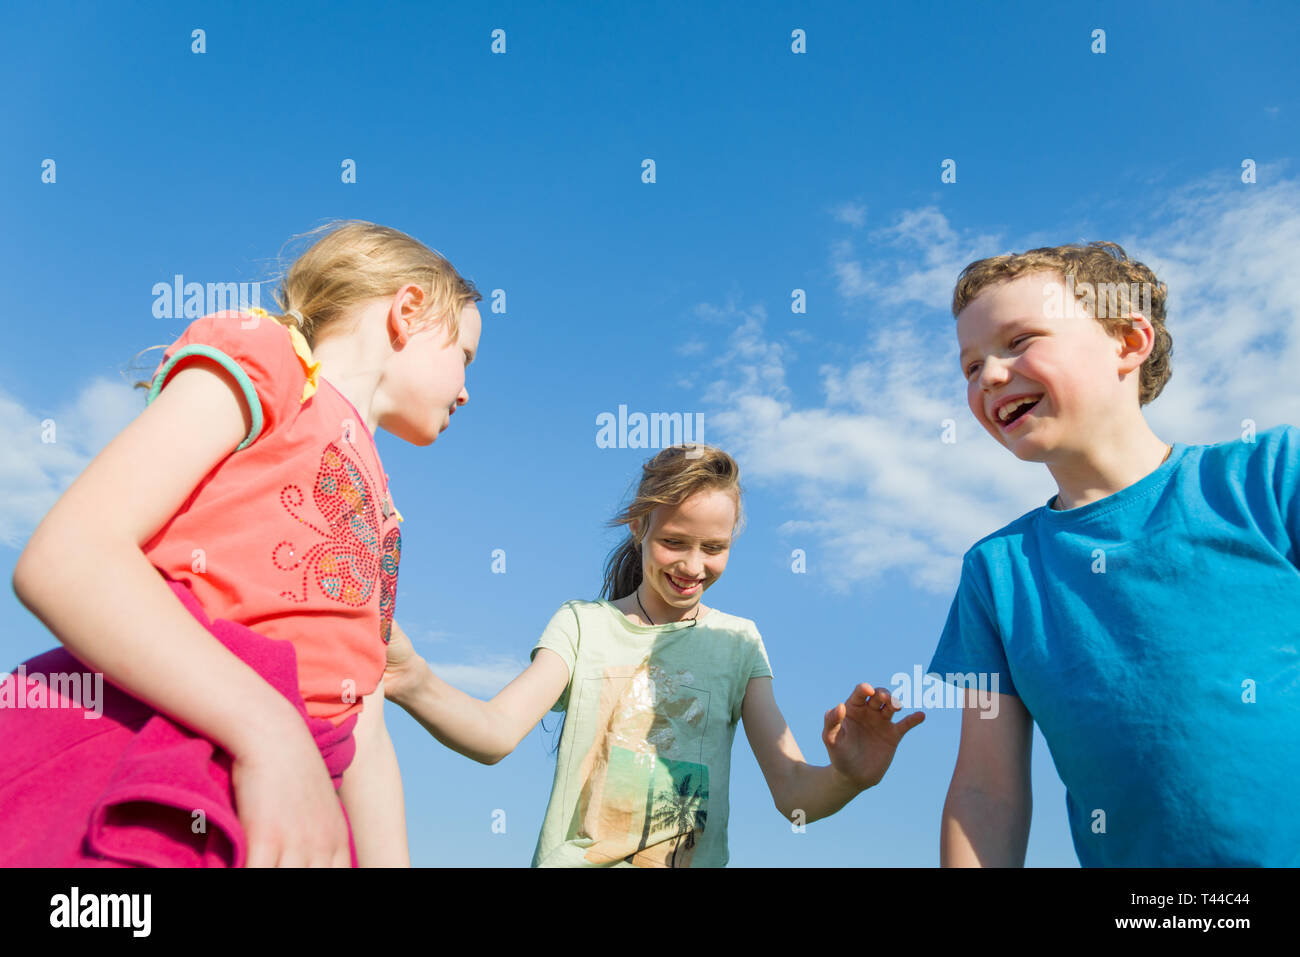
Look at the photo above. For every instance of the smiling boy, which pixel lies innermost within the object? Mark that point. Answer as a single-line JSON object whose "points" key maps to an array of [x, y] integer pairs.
{"points": [[1147, 617]]}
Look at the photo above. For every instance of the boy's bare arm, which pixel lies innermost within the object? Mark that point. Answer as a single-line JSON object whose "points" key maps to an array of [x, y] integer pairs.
{"points": [[990, 802]]}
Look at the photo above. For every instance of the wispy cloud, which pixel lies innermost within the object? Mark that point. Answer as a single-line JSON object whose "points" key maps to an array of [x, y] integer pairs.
{"points": [[34, 471], [871, 482], [914, 260], [484, 678], [851, 214]]}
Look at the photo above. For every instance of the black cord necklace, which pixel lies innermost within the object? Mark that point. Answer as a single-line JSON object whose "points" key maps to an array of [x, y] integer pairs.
{"points": [[651, 620]]}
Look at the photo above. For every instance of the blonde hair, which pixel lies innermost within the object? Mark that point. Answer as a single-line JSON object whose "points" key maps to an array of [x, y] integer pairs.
{"points": [[670, 478], [1100, 265], [357, 261]]}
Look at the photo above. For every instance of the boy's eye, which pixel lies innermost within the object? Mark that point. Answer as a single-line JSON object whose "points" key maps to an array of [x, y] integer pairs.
{"points": [[1015, 343]]}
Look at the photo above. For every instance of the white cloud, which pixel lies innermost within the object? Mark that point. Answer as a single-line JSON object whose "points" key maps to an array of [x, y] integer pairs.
{"points": [[33, 471], [915, 260], [851, 214], [873, 486], [485, 678], [1230, 260]]}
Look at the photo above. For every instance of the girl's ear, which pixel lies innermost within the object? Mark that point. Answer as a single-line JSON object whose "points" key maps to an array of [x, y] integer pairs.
{"points": [[398, 329]]}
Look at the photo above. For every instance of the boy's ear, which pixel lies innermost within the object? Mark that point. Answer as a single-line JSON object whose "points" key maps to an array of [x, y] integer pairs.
{"points": [[1135, 341]]}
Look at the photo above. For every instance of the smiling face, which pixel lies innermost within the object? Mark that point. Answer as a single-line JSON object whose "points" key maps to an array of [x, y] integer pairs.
{"points": [[1083, 380], [426, 378], [684, 552]]}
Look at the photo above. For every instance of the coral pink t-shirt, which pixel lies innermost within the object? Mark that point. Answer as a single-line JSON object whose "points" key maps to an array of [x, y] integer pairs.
{"points": [[294, 534]]}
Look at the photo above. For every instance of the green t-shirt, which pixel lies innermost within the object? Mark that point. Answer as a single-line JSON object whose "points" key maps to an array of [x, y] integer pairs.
{"points": [[641, 774]]}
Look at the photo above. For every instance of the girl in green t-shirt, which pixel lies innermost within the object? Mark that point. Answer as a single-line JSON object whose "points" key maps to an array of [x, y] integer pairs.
{"points": [[653, 683]]}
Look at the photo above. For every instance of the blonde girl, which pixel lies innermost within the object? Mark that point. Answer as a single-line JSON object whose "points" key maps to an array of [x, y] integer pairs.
{"points": [[228, 566], [653, 683]]}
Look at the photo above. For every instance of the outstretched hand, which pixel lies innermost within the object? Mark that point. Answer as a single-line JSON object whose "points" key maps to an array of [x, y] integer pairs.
{"points": [[860, 735]]}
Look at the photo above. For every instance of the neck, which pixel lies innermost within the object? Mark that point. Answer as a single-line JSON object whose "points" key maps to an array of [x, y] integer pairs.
{"points": [[353, 361], [1110, 464], [659, 611]]}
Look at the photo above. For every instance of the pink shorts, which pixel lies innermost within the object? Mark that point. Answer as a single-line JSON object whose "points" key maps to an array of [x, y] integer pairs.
{"points": [[130, 787]]}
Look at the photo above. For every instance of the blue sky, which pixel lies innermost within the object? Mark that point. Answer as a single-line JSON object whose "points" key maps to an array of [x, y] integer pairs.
{"points": [[775, 171]]}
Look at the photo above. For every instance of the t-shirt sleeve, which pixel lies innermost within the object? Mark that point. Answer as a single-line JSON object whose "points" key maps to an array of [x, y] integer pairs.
{"points": [[561, 636], [756, 666], [971, 641], [255, 349], [1286, 483], [759, 667]]}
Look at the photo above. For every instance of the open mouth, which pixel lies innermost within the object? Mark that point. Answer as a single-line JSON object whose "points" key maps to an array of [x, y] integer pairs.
{"points": [[1017, 410], [682, 588]]}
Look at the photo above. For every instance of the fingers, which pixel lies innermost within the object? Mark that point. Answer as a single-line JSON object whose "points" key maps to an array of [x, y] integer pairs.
{"points": [[832, 717], [881, 705], [860, 695], [910, 722], [832, 722], [259, 855], [874, 699]]}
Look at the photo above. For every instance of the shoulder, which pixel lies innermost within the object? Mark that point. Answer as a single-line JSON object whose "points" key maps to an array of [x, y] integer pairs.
{"points": [[580, 607], [1248, 469], [719, 620], [570, 617], [271, 363], [242, 333], [998, 545], [1280, 443], [252, 346]]}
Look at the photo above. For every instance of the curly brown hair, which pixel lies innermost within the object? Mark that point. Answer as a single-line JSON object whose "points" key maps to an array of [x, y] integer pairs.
{"points": [[1106, 284]]}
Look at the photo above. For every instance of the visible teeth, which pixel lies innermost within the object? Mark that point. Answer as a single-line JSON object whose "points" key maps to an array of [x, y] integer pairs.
{"points": [[1010, 407]]}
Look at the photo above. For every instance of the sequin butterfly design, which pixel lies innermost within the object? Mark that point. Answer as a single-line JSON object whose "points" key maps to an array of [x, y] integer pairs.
{"points": [[348, 562], [388, 581]]}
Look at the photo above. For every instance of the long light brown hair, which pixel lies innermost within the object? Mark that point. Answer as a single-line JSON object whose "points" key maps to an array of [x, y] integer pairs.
{"points": [[670, 478]]}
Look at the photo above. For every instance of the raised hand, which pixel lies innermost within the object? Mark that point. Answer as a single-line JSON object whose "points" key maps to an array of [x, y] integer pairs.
{"points": [[860, 735]]}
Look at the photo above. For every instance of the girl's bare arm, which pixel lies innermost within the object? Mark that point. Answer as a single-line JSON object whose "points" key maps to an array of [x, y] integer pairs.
{"points": [[84, 575], [485, 731], [372, 791]]}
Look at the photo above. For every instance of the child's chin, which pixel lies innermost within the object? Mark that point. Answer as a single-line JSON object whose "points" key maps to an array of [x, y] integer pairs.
{"points": [[1011, 443], [1027, 451]]}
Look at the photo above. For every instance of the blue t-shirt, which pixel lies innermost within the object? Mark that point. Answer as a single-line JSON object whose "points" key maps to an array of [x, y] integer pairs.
{"points": [[1154, 636]]}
